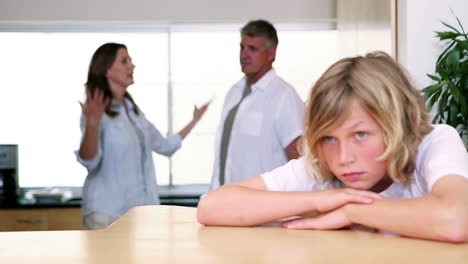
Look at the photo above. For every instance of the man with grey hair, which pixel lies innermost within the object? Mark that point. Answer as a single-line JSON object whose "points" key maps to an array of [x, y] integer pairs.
{"points": [[262, 117]]}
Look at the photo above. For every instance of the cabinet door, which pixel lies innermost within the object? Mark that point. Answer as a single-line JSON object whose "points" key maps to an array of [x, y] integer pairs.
{"points": [[64, 219], [23, 220]]}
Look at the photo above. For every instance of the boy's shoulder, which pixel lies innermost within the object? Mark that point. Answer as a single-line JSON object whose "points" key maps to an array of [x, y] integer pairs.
{"points": [[441, 132]]}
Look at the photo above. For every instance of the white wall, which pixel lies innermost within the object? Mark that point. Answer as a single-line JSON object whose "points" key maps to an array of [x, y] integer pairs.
{"points": [[364, 26], [165, 10], [418, 48]]}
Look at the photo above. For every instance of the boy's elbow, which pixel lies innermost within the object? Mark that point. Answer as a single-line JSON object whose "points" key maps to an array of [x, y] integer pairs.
{"points": [[457, 228], [204, 215], [458, 233]]}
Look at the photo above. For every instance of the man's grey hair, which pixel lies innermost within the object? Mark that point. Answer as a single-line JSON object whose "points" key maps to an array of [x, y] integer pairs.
{"points": [[261, 28]]}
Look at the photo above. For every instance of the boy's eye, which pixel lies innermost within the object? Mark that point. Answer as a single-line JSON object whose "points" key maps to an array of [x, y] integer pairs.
{"points": [[361, 134]]}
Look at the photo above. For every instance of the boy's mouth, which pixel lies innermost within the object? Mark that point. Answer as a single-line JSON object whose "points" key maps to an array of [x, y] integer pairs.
{"points": [[353, 176]]}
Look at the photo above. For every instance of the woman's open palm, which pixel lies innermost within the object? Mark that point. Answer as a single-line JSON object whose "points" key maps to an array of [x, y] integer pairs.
{"points": [[95, 106], [199, 112]]}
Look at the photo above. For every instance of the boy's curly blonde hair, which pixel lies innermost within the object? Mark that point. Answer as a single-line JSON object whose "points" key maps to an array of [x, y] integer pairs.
{"points": [[383, 89]]}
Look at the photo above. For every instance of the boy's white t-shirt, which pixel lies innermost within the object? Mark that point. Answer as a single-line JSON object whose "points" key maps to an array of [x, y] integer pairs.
{"points": [[440, 153]]}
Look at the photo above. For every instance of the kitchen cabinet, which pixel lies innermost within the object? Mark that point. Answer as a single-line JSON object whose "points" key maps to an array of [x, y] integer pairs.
{"points": [[36, 219]]}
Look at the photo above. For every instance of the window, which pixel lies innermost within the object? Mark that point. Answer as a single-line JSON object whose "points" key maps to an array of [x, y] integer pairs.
{"points": [[176, 67]]}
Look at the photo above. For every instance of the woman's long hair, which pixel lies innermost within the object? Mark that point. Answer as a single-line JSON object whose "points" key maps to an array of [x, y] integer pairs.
{"points": [[102, 60]]}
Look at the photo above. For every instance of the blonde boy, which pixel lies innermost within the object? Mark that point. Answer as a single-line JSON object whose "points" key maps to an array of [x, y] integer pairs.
{"points": [[371, 158]]}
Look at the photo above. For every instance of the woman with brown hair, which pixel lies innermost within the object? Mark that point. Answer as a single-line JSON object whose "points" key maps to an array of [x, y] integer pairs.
{"points": [[118, 141]]}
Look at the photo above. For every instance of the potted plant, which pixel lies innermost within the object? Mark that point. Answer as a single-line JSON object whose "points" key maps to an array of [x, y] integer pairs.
{"points": [[449, 93]]}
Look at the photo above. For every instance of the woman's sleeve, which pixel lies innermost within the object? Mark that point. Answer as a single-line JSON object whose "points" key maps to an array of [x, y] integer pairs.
{"points": [[163, 145], [93, 163]]}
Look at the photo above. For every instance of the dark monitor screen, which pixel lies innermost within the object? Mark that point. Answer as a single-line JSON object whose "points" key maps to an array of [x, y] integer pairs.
{"points": [[8, 157]]}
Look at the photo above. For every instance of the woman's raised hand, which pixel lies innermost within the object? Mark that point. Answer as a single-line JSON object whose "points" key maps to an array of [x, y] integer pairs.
{"points": [[95, 106], [199, 112]]}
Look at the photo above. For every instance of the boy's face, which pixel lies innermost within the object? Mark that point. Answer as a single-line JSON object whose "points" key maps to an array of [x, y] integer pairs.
{"points": [[351, 151]]}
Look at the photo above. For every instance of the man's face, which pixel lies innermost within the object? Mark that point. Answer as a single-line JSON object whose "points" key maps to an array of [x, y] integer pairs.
{"points": [[255, 57]]}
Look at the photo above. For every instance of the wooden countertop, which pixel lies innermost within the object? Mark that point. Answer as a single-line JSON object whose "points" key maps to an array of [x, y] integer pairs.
{"points": [[171, 234]]}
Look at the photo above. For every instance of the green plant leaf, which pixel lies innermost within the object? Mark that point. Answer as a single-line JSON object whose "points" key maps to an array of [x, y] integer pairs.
{"points": [[459, 23], [443, 54], [463, 43], [449, 91], [429, 90], [433, 77], [463, 84], [453, 113], [436, 119], [464, 68], [453, 59], [447, 35], [449, 26], [442, 106], [454, 90], [464, 111], [434, 98], [464, 105], [441, 69]]}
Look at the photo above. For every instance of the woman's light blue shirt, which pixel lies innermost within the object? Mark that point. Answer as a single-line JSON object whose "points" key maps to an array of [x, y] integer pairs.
{"points": [[122, 174]]}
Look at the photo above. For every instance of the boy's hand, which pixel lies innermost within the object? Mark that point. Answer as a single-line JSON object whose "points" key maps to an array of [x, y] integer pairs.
{"points": [[335, 219], [331, 199]]}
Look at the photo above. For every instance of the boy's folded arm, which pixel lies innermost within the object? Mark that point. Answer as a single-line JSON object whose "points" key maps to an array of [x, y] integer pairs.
{"points": [[249, 203], [442, 215]]}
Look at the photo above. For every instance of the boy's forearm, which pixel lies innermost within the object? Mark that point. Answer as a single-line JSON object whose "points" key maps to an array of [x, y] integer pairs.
{"points": [[425, 217], [233, 205]]}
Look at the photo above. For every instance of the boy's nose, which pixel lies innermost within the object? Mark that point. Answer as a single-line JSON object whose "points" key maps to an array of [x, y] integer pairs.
{"points": [[346, 154]]}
